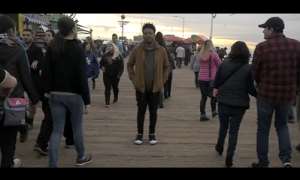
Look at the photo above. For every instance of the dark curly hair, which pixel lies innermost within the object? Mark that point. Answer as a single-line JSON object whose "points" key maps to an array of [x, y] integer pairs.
{"points": [[240, 52], [149, 25]]}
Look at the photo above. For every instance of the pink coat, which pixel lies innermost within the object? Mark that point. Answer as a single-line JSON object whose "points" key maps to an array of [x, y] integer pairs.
{"points": [[204, 67]]}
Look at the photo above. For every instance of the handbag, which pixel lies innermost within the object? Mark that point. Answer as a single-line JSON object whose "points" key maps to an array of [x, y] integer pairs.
{"points": [[211, 83], [14, 111]]}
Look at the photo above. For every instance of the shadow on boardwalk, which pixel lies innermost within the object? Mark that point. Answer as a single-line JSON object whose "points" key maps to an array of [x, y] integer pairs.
{"points": [[183, 141]]}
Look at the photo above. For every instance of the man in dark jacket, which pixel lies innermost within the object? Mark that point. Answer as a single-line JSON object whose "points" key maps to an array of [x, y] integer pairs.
{"points": [[276, 70], [35, 57]]}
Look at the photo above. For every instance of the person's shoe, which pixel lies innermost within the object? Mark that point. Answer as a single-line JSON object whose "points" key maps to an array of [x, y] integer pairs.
{"points": [[38, 148], [86, 160], [298, 147], [16, 163], [152, 139], [228, 161], [219, 148], [30, 126], [256, 165], [107, 104], [161, 105], [204, 118], [287, 163], [115, 100], [139, 139], [69, 145], [291, 121], [214, 114]]}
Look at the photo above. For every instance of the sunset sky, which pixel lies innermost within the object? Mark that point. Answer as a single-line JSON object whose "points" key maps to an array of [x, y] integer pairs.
{"points": [[227, 28]]}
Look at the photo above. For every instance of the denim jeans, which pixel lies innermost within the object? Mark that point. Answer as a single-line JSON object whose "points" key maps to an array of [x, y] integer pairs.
{"points": [[265, 112], [59, 105], [291, 114], [231, 120], [298, 110], [204, 88], [178, 62]]}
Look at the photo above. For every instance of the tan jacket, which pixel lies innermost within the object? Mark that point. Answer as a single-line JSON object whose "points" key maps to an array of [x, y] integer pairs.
{"points": [[136, 68]]}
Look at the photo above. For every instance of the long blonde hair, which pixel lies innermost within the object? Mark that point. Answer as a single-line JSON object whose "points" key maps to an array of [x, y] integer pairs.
{"points": [[116, 51], [206, 49]]}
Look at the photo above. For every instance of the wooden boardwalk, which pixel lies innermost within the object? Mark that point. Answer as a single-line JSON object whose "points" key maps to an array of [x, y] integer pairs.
{"points": [[183, 141]]}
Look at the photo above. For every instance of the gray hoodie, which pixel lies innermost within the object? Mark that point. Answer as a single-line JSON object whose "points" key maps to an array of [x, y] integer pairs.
{"points": [[149, 65]]}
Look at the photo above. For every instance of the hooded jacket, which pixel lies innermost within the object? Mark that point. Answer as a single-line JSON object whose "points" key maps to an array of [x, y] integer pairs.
{"points": [[13, 60], [136, 67]]}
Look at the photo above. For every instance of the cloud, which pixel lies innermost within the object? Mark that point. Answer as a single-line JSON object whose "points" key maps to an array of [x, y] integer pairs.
{"points": [[226, 28]]}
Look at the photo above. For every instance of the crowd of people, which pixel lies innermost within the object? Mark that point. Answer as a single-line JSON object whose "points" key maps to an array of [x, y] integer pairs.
{"points": [[60, 76]]}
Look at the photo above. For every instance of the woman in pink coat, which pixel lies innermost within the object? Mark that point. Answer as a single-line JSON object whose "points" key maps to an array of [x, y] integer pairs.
{"points": [[207, 73]]}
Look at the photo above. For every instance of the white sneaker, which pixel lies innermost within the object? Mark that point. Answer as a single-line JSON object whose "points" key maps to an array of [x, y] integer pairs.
{"points": [[17, 163], [139, 139]]}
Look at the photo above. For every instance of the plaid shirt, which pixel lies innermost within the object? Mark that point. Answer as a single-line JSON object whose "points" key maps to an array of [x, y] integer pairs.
{"points": [[276, 69]]}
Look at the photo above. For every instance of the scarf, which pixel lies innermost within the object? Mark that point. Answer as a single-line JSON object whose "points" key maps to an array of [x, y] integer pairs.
{"points": [[8, 39]]}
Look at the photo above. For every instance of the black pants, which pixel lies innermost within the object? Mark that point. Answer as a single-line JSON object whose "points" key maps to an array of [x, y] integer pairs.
{"points": [[204, 88], [47, 127], [230, 118], [187, 60], [151, 100], [8, 138], [111, 81], [93, 78], [167, 86], [196, 79]]}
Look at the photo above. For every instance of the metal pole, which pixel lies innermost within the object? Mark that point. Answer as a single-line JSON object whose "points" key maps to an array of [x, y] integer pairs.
{"points": [[122, 30], [183, 28], [211, 26]]}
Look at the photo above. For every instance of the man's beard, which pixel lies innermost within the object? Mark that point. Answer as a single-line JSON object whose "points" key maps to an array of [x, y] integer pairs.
{"points": [[27, 42]]}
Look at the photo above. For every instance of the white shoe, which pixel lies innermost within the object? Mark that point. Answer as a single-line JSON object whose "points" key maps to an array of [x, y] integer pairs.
{"points": [[17, 163]]}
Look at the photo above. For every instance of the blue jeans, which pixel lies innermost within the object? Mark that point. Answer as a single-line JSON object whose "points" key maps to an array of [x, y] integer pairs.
{"points": [[178, 62], [231, 120], [59, 105], [265, 112], [291, 114]]}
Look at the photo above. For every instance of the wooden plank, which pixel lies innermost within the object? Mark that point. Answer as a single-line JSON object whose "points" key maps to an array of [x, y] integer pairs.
{"points": [[183, 141]]}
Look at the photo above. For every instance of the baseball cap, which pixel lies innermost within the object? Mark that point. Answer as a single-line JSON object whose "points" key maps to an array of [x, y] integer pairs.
{"points": [[273, 22]]}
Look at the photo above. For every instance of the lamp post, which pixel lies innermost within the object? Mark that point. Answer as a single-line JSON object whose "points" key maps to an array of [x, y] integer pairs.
{"points": [[182, 24], [211, 26], [212, 20], [172, 28], [122, 24]]}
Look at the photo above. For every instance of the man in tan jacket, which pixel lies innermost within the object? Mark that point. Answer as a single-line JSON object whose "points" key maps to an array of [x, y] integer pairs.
{"points": [[148, 69]]}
